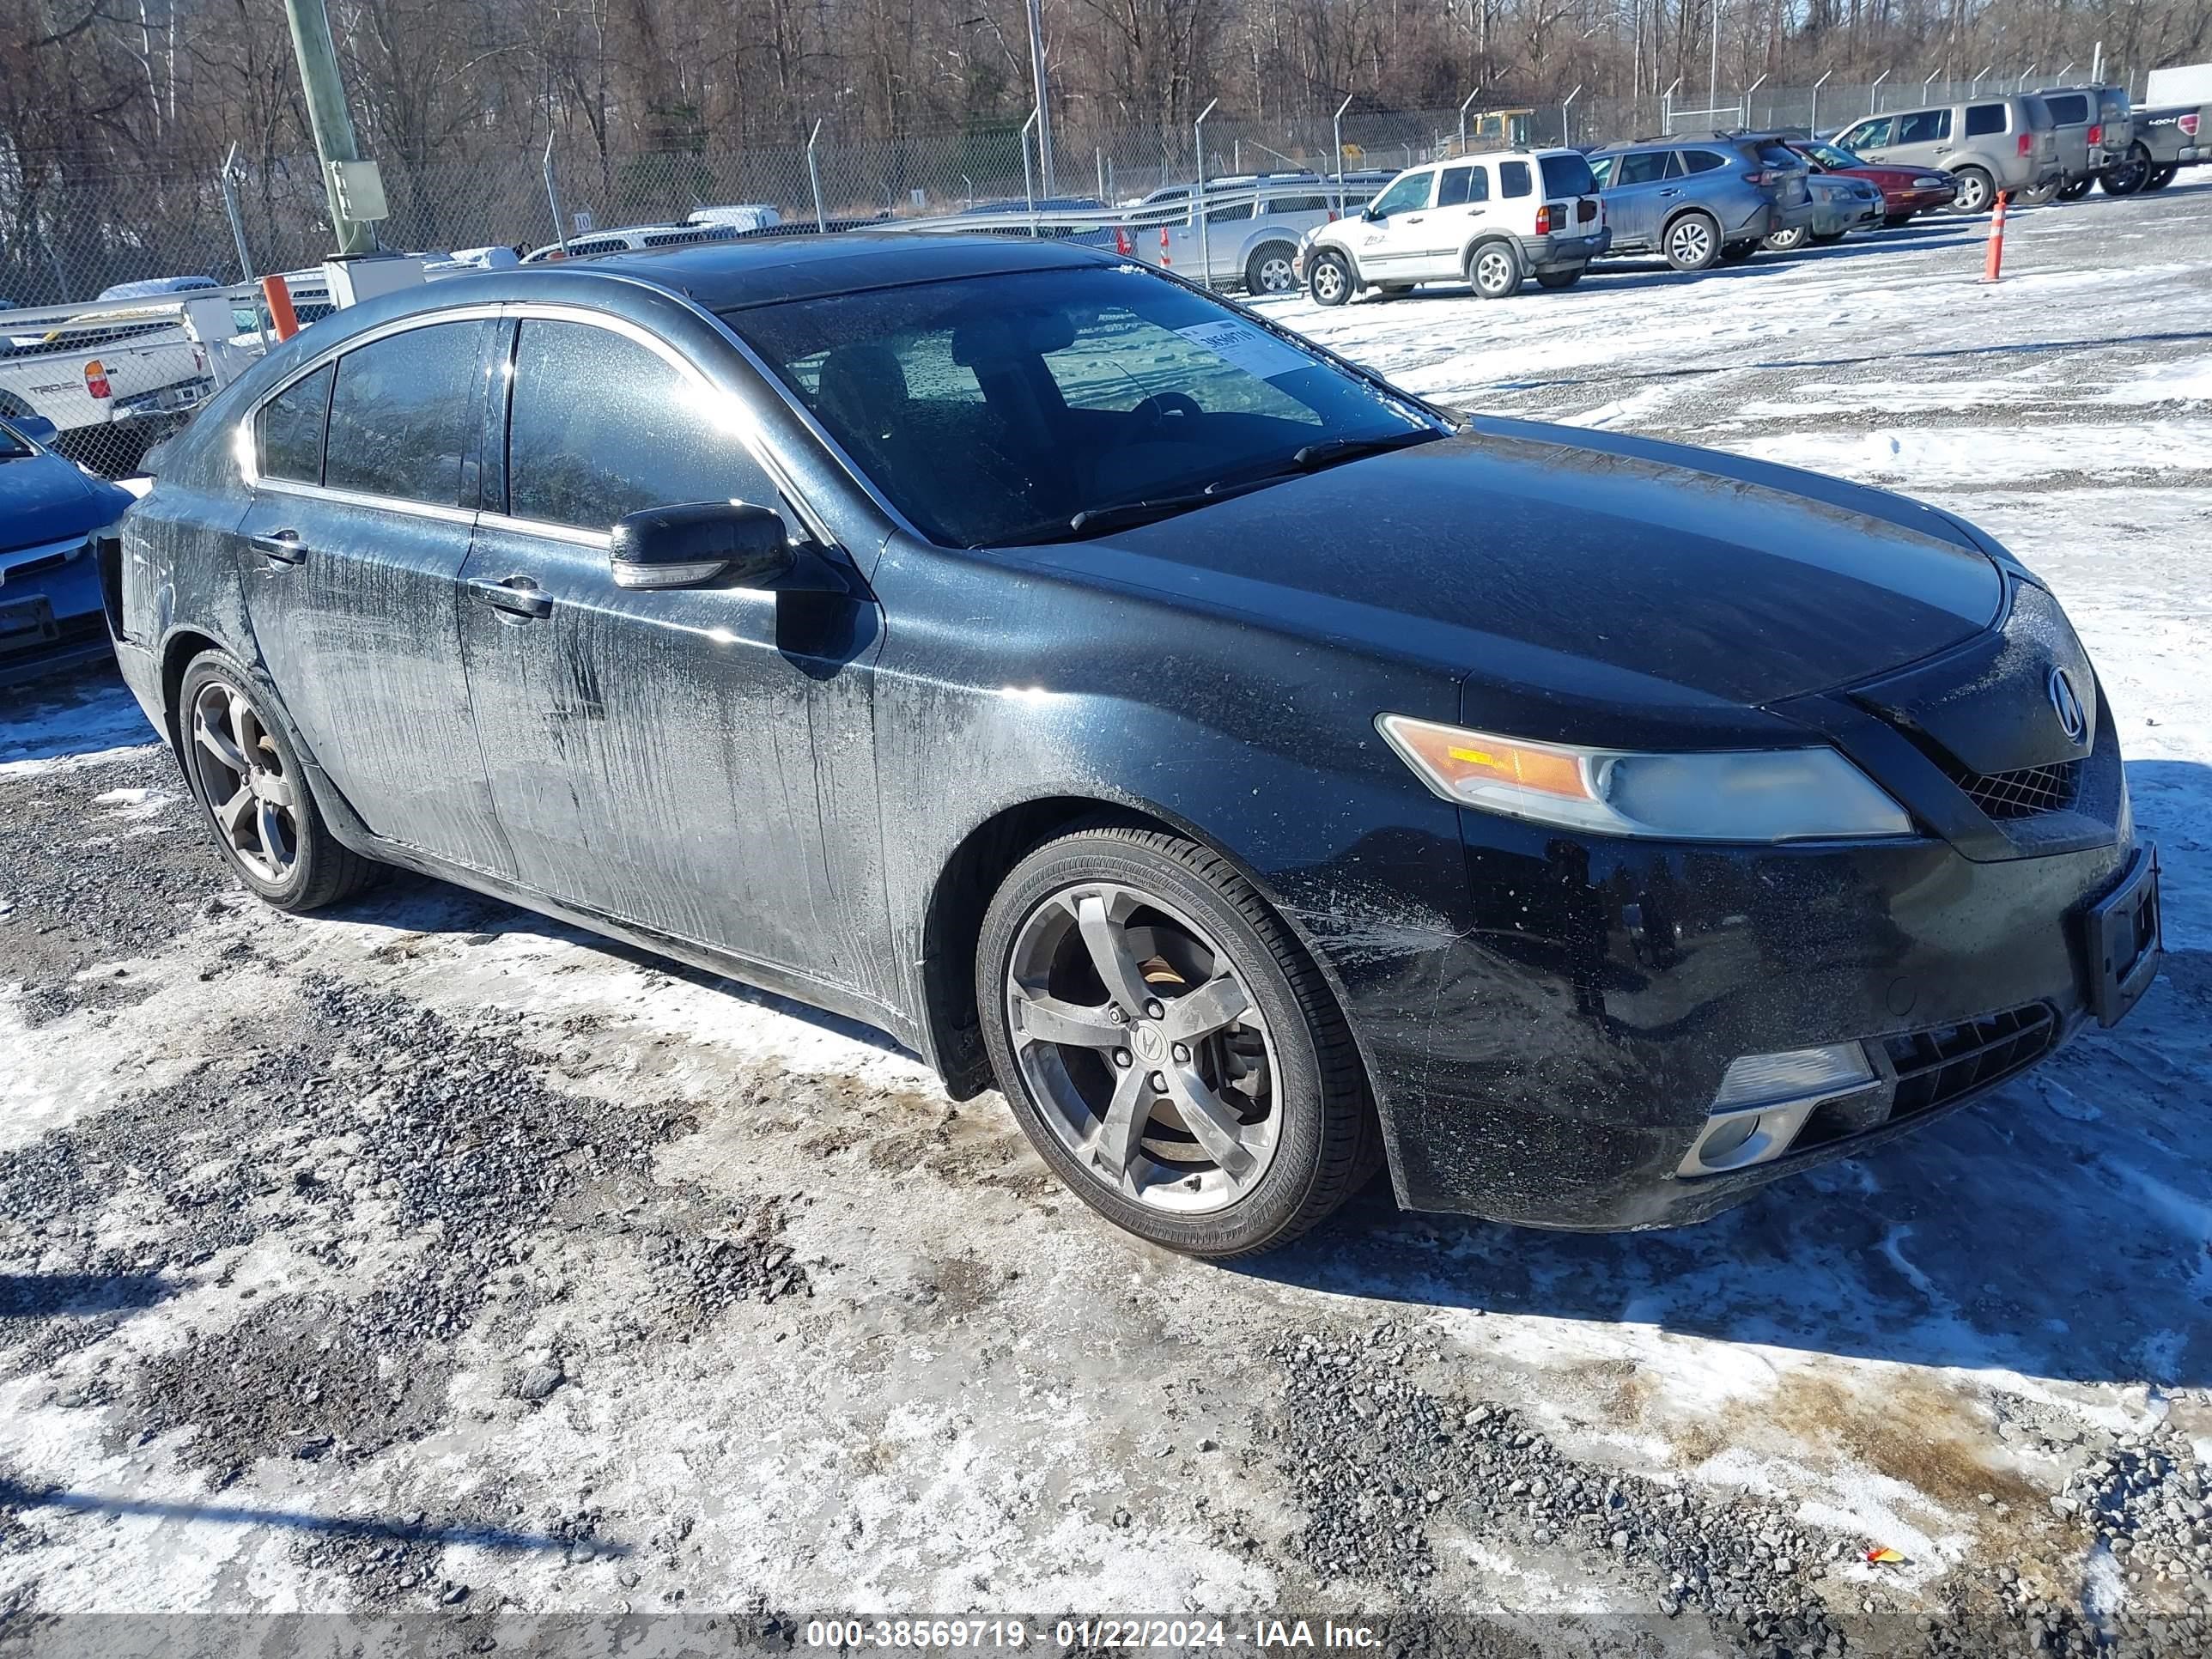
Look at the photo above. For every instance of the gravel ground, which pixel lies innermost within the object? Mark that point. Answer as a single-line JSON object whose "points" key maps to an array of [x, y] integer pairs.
{"points": [[432, 1263]]}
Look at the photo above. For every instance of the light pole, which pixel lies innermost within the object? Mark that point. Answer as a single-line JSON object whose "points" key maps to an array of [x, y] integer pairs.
{"points": [[1043, 97], [327, 115], [1336, 138], [1815, 124], [1198, 193]]}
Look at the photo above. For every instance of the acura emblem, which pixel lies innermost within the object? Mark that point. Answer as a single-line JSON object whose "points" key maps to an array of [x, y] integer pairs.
{"points": [[2068, 701]]}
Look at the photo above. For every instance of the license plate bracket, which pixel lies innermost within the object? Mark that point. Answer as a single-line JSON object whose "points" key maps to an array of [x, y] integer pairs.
{"points": [[2125, 938], [26, 625]]}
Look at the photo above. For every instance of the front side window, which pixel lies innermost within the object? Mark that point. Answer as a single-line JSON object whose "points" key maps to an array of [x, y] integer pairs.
{"points": [[1983, 119], [404, 413], [600, 426], [1514, 179], [1409, 192], [1869, 135], [993, 411], [1642, 167], [289, 432]]}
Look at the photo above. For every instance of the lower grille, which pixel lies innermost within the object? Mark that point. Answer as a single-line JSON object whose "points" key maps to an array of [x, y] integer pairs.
{"points": [[2024, 793], [1938, 1066]]}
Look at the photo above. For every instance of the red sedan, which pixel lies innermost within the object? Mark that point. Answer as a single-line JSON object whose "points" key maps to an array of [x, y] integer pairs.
{"points": [[1905, 190]]}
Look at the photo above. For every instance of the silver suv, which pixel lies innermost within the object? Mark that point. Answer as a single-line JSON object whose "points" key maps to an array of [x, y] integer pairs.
{"points": [[2094, 128], [1701, 199], [1989, 144]]}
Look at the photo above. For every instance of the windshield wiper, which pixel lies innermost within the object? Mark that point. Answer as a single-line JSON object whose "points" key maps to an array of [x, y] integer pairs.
{"points": [[1332, 451], [1124, 515]]}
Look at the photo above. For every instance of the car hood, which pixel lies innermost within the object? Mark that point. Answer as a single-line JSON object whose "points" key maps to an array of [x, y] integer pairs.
{"points": [[1580, 570], [43, 498]]}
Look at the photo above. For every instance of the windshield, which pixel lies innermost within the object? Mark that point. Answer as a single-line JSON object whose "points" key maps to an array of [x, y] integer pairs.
{"points": [[992, 411], [1567, 175], [1833, 156]]}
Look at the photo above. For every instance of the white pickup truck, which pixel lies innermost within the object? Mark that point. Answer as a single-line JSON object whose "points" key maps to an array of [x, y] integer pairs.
{"points": [[112, 378]]}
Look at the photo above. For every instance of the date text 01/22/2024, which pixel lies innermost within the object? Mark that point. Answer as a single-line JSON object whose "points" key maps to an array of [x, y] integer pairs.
{"points": [[985, 1635]]}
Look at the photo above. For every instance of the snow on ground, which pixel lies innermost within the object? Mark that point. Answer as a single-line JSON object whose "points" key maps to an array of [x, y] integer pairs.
{"points": [[430, 1250]]}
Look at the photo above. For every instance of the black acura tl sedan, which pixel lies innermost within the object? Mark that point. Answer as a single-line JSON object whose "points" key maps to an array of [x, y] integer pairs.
{"points": [[1258, 774]]}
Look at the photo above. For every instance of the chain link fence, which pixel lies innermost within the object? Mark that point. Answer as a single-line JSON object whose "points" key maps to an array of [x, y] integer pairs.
{"points": [[69, 237]]}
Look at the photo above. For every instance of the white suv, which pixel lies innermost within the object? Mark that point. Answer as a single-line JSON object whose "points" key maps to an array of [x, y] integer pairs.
{"points": [[1487, 219]]}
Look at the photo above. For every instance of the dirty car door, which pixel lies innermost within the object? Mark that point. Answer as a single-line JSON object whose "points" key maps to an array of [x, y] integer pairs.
{"points": [[351, 550], [654, 754]]}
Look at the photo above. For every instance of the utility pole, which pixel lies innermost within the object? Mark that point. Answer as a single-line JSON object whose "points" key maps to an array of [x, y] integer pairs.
{"points": [[1044, 99], [326, 111]]}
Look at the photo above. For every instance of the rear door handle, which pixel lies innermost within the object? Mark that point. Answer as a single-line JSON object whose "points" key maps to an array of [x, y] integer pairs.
{"points": [[517, 595], [281, 545], [1670, 192]]}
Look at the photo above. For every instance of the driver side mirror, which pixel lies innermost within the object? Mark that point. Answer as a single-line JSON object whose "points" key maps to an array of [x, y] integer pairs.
{"points": [[1369, 213], [36, 428], [701, 543]]}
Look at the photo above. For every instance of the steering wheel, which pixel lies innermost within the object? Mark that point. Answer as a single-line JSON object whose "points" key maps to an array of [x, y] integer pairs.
{"points": [[1156, 409]]}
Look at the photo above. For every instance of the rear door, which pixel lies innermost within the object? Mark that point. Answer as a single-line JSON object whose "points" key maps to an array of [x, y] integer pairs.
{"points": [[1924, 137], [364, 479], [1462, 199]]}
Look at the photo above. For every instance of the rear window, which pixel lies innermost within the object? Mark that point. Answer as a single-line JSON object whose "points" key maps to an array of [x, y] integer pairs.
{"points": [[1983, 120], [2070, 109], [2112, 104], [1566, 175], [1775, 153]]}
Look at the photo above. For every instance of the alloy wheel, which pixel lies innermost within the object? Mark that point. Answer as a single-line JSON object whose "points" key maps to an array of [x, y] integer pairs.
{"points": [[1276, 276], [1329, 281], [1690, 243], [1973, 194], [242, 774], [1143, 1048], [1493, 270]]}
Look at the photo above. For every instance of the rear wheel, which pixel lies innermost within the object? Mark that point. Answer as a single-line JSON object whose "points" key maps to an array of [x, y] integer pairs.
{"points": [[2160, 178], [247, 776], [1329, 282], [1975, 191], [1495, 271], [2127, 177], [1566, 278], [1269, 269], [1167, 1046], [1786, 241], [1692, 242], [2074, 189]]}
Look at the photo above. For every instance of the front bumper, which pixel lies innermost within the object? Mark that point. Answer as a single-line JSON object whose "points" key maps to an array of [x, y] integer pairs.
{"points": [[52, 620]]}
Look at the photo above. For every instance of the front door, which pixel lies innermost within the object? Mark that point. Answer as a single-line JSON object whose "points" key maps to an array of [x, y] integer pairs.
{"points": [[1393, 239], [1869, 139], [1637, 196], [351, 548], [665, 757]]}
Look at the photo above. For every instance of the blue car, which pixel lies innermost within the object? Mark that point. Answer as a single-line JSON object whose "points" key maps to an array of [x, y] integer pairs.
{"points": [[51, 510]]}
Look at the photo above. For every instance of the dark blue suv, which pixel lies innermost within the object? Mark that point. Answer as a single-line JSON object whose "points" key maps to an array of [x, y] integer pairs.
{"points": [[51, 511]]}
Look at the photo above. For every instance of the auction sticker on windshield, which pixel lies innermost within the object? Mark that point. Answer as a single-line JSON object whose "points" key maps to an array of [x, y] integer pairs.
{"points": [[1242, 346]]}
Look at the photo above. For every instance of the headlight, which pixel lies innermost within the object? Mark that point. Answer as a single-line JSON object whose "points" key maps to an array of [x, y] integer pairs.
{"points": [[1741, 795], [1929, 184]]}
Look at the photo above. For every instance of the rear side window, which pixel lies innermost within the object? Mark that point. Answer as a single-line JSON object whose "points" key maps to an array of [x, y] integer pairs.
{"points": [[1927, 126], [1452, 187], [1982, 119], [1701, 161], [1515, 179], [404, 412], [1565, 175], [1642, 167], [1298, 204], [600, 426], [2070, 109], [290, 431]]}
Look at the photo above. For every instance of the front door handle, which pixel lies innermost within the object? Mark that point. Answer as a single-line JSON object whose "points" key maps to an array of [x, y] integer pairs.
{"points": [[1413, 218], [518, 596], [281, 545]]}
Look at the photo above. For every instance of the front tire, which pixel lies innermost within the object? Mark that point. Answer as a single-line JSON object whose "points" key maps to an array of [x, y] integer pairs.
{"points": [[1329, 282], [245, 774], [1494, 270], [1693, 243], [1269, 270], [1167, 1046], [1975, 191]]}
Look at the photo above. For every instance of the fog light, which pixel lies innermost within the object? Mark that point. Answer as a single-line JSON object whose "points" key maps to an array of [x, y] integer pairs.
{"points": [[1764, 1101], [1757, 1078]]}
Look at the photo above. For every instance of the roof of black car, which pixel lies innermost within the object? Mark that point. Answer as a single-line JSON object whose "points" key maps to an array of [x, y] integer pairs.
{"points": [[726, 276]]}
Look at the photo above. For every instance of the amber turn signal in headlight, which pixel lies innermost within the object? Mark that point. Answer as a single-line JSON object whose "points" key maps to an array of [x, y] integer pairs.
{"points": [[1735, 795]]}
